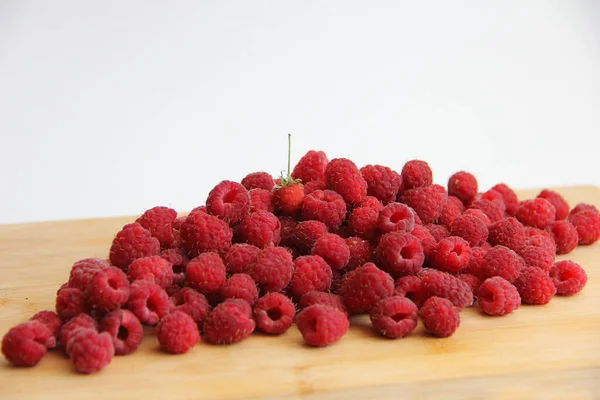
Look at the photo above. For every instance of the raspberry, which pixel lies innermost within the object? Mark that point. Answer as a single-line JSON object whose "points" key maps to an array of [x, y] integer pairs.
{"points": [[382, 182], [154, 268], [394, 317], [108, 289], [494, 195], [240, 258], [274, 313], [451, 210], [159, 221], [323, 298], [322, 325], [498, 297], [426, 201], [230, 201], [363, 222], [288, 200], [492, 209], [538, 213], [311, 167], [475, 263], [462, 185], [415, 174], [502, 261], [89, 350], [273, 269], [538, 257], [372, 202], [206, 273], [452, 254], [427, 240], [258, 180], [568, 278], [177, 333], [201, 233], [69, 302], [125, 329], [587, 224], [52, 322], [313, 186], [83, 271], [396, 217], [326, 206], [584, 207], [511, 202], [343, 176], [508, 232], [261, 199], [333, 249], [240, 286], [177, 258], [192, 303], [440, 317], [24, 345], [80, 321], [539, 238], [261, 228], [535, 286], [306, 234], [196, 210], [229, 322], [479, 214], [564, 235], [410, 287], [440, 284], [471, 229], [399, 254], [360, 252], [148, 301], [471, 280], [310, 273], [363, 287], [132, 242], [559, 203], [288, 227]]}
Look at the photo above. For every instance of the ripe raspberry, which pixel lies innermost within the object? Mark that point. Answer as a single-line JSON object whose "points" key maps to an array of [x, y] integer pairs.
{"points": [[372, 202], [502, 261], [261, 229], [125, 329], [159, 221], [475, 263], [191, 302], [326, 206], [177, 333], [471, 280], [132, 242], [258, 180], [80, 321], [333, 249], [493, 195], [535, 286], [343, 176], [440, 317], [69, 302], [382, 182], [230, 201], [83, 271], [363, 287], [410, 287], [511, 202], [196, 210], [322, 325], [584, 207], [452, 254], [273, 269], [311, 167], [441, 284], [89, 350], [148, 301], [261, 199], [462, 185], [438, 232], [229, 322], [394, 317], [313, 186], [24, 345], [471, 229], [492, 209], [154, 268], [399, 254], [363, 222], [415, 174], [539, 238], [559, 203], [201, 233], [396, 217], [310, 273], [240, 258], [427, 240], [497, 296], [568, 277], [177, 258], [360, 252], [451, 210], [323, 298], [538, 213], [587, 224], [107, 290], [274, 313], [206, 273], [426, 201], [288, 200], [306, 234], [240, 286], [508, 232], [538, 257], [288, 227], [479, 214], [565, 236], [52, 322]]}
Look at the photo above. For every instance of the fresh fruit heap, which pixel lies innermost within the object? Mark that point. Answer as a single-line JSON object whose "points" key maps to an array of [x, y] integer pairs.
{"points": [[331, 240]]}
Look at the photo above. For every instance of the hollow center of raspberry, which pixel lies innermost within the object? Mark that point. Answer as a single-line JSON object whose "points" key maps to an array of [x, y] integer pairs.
{"points": [[229, 197], [407, 253], [457, 250], [397, 217], [274, 313], [151, 305], [123, 333], [398, 317], [113, 284]]}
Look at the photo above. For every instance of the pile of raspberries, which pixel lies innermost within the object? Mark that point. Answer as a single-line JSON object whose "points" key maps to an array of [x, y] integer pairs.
{"points": [[326, 242]]}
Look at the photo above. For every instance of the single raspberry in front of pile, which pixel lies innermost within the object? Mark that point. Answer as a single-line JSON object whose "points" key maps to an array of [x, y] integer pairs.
{"points": [[426, 201], [415, 174], [261, 228], [191, 302], [508, 232], [564, 235], [258, 180], [440, 316], [363, 287], [202, 233], [206, 273], [323, 298], [441, 284], [410, 287], [471, 229], [321, 325], [229, 201], [306, 234], [360, 252], [310, 273], [240, 286], [538, 213], [343, 176], [396, 217], [452, 209], [537, 257], [69, 302], [511, 201], [311, 167], [52, 322], [394, 317], [452, 254], [240, 258], [81, 321], [463, 185], [497, 296], [326, 206], [560, 204], [273, 269], [125, 329], [535, 286], [382, 182], [333, 249], [25, 344], [492, 209], [132, 242], [587, 224], [89, 350], [502, 261], [148, 301], [363, 222], [154, 268], [177, 333], [399, 254], [274, 313], [568, 277], [108, 289], [159, 221], [229, 322], [262, 199]]}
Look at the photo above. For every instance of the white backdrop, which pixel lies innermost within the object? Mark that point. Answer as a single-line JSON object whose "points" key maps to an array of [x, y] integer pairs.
{"points": [[111, 107]]}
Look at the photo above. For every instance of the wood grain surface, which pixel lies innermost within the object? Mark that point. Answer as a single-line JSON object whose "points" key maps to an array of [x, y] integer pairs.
{"points": [[543, 352]]}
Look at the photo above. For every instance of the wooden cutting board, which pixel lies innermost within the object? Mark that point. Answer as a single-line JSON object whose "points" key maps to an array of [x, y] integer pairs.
{"points": [[543, 352]]}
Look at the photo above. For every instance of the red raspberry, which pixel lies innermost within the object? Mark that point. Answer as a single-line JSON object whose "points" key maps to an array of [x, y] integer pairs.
{"points": [[229, 322], [427, 240], [343, 176], [415, 174], [323, 298], [52, 322], [440, 317], [538, 213], [494, 195], [288, 200], [497, 296], [148, 301], [178, 221], [565, 236], [452, 254], [475, 263], [539, 238], [471, 280], [288, 227], [230, 201], [24, 345], [201, 233], [132, 242], [471, 229], [313, 186], [511, 202], [273, 269], [584, 207], [363, 287], [154, 268], [125, 329], [80, 321], [322, 325], [508, 232], [240, 258], [89, 350], [159, 221], [83, 271], [274, 313], [177, 333], [462, 185], [258, 180], [306, 234], [438, 232], [69, 302], [568, 277], [333, 249], [191, 302], [492, 209], [206, 273], [177, 258], [240, 286], [479, 214], [410, 287], [587, 224], [399, 254], [396, 217], [107, 290], [372, 202], [538, 257], [502, 261], [311, 167], [326, 206], [196, 210], [441, 284], [451, 210], [535, 286], [261, 228], [360, 252], [559, 203], [261, 199], [382, 182], [426, 201], [394, 317], [363, 222], [310, 273]]}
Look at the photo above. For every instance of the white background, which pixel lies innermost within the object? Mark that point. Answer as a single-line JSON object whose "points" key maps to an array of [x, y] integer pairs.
{"points": [[111, 107]]}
